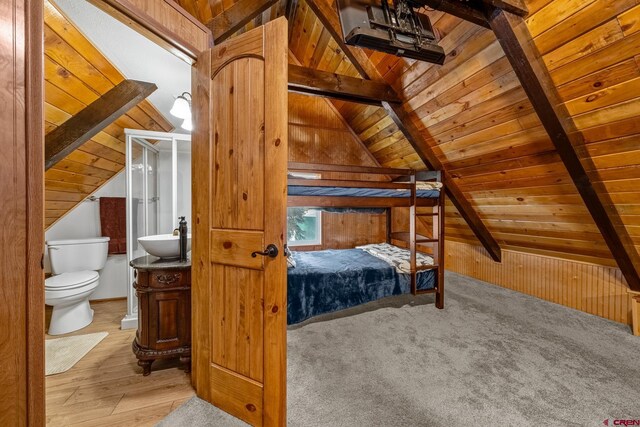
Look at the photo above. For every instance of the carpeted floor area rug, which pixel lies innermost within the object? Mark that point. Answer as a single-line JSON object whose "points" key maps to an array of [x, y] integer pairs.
{"points": [[491, 357]]}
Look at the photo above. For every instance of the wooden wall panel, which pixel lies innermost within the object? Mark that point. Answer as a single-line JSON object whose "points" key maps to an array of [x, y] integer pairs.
{"points": [[597, 71], [76, 74], [592, 288], [348, 230], [475, 115], [317, 134]]}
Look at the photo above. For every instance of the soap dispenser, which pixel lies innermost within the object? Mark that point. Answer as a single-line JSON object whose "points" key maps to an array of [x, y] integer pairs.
{"points": [[183, 239]]}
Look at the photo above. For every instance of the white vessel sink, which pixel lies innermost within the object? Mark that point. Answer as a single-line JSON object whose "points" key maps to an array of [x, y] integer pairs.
{"points": [[163, 245]]}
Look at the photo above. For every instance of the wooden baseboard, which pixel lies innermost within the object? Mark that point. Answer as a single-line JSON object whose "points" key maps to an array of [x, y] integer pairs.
{"points": [[108, 300]]}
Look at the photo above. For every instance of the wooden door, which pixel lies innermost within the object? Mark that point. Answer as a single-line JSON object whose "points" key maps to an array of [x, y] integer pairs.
{"points": [[239, 195]]}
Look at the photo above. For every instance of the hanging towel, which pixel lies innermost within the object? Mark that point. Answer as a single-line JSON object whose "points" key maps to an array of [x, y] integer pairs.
{"points": [[113, 223]]}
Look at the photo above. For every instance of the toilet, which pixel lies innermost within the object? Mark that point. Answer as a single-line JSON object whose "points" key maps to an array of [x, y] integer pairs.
{"points": [[74, 264]]}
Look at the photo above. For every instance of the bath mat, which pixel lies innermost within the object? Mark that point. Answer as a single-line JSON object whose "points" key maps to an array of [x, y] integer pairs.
{"points": [[62, 353]]}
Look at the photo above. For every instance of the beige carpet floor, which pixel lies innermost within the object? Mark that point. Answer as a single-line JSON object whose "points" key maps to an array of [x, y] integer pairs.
{"points": [[492, 357]]}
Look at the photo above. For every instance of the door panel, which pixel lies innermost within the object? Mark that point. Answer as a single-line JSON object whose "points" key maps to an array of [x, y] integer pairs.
{"points": [[238, 172], [248, 44], [239, 192], [239, 395], [237, 318], [234, 247]]}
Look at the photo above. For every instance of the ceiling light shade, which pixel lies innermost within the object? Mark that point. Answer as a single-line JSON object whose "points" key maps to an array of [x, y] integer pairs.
{"points": [[182, 107], [187, 124]]}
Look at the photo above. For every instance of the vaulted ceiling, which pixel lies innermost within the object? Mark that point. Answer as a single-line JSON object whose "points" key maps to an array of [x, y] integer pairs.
{"points": [[472, 113], [475, 115], [76, 75]]}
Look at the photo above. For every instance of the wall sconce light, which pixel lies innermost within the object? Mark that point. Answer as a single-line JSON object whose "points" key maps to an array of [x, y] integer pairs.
{"points": [[182, 110], [187, 124]]}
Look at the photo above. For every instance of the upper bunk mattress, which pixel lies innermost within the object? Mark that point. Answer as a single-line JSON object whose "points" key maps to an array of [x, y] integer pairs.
{"points": [[303, 190]]}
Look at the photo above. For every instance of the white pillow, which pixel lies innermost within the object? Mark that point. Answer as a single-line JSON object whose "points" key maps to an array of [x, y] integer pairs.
{"points": [[291, 263]]}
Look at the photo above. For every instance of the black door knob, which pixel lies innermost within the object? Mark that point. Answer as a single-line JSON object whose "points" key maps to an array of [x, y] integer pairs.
{"points": [[271, 251]]}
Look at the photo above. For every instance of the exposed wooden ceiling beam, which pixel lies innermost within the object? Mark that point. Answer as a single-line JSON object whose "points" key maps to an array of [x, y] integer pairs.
{"points": [[460, 9], [331, 85], [474, 12], [428, 157], [237, 16], [80, 128], [329, 18], [517, 7], [517, 43]]}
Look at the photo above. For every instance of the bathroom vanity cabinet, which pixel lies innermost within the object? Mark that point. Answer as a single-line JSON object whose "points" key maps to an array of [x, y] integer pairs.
{"points": [[163, 288]]}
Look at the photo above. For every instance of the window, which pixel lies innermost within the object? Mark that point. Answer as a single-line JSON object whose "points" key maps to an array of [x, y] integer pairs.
{"points": [[304, 225]]}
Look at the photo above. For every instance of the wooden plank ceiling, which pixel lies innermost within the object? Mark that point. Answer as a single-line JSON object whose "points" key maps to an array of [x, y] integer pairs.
{"points": [[206, 10], [76, 74], [476, 116]]}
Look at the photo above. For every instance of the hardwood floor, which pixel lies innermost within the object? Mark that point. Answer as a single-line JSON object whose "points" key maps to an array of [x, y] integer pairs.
{"points": [[106, 387]]}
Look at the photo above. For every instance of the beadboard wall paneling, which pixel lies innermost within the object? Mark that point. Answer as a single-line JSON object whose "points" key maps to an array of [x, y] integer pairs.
{"points": [[317, 134], [346, 231], [592, 288]]}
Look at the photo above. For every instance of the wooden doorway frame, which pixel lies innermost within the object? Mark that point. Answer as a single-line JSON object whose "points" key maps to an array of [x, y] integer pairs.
{"points": [[22, 398], [177, 39], [22, 199]]}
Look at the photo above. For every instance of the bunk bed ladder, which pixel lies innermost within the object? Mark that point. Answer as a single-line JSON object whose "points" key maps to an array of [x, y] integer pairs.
{"points": [[413, 236], [432, 241], [438, 251], [436, 241]]}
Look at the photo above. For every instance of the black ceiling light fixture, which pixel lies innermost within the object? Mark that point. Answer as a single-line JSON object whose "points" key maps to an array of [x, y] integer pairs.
{"points": [[390, 26]]}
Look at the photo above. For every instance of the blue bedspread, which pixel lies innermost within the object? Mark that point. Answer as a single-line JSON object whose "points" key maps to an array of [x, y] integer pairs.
{"points": [[331, 280], [303, 190]]}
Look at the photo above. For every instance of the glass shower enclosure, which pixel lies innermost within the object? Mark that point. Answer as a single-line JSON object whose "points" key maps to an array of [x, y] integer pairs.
{"points": [[158, 181]]}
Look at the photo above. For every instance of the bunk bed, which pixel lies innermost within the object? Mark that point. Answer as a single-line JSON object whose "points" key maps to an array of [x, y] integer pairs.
{"points": [[329, 280]]}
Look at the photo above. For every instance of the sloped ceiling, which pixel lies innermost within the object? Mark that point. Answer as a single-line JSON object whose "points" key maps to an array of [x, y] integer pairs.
{"points": [[169, 73], [76, 74], [476, 116]]}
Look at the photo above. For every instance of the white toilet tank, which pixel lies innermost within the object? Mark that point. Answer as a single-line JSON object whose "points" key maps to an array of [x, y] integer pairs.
{"points": [[78, 254]]}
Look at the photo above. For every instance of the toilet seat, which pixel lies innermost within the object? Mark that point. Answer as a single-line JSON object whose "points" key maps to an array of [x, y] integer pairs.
{"points": [[66, 281]]}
